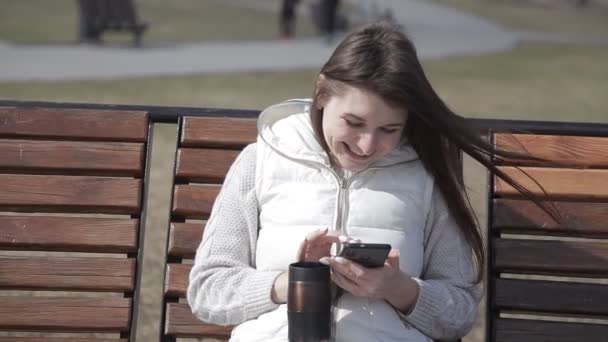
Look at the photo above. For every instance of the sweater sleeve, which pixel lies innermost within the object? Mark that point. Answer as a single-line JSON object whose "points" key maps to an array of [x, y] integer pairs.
{"points": [[448, 298], [225, 288]]}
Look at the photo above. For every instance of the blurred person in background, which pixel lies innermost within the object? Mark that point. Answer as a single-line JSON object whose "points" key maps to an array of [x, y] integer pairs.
{"points": [[87, 33], [329, 14], [287, 19]]}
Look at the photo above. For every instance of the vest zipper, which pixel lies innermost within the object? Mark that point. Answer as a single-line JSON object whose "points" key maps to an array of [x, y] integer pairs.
{"points": [[341, 207], [340, 225], [342, 198]]}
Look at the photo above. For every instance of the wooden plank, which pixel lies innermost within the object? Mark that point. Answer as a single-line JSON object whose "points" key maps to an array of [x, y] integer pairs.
{"points": [[567, 150], [194, 201], [578, 218], [59, 339], [72, 234], [76, 124], [70, 193], [551, 257], [551, 296], [182, 323], [70, 157], [66, 274], [559, 184], [176, 280], [218, 132], [524, 330], [64, 314], [204, 165], [184, 239]]}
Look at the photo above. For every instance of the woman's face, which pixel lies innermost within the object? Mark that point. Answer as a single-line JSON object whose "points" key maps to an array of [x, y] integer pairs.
{"points": [[360, 127]]}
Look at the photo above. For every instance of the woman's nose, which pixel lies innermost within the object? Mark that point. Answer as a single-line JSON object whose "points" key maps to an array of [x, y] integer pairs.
{"points": [[367, 143]]}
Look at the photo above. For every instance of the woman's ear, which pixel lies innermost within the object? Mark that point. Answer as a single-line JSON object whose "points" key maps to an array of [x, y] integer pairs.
{"points": [[321, 79], [321, 91]]}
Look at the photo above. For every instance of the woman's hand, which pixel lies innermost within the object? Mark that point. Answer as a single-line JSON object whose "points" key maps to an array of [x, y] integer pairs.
{"points": [[388, 282], [317, 244], [278, 294]]}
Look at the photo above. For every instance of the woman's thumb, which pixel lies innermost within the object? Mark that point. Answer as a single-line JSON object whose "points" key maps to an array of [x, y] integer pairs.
{"points": [[393, 258]]}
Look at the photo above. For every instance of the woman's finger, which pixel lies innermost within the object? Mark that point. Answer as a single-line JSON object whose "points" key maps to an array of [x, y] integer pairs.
{"points": [[326, 239], [349, 269], [315, 234], [318, 244], [393, 258], [345, 283], [309, 241], [302, 250]]}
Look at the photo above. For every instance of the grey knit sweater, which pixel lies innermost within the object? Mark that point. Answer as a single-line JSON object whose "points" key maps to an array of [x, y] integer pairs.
{"points": [[225, 287]]}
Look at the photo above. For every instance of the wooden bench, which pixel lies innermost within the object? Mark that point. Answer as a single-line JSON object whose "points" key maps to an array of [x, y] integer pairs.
{"points": [[97, 16], [543, 275], [75, 178], [71, 181], [207, 147]]}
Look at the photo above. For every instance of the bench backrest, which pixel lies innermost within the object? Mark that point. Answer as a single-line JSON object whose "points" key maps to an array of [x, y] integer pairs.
{"points": [[206, 149], [73, 184], [70, 206], [545, 278]]}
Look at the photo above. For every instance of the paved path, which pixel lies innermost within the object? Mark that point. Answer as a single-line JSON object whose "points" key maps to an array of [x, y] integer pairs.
{"points": [[438, 31]]}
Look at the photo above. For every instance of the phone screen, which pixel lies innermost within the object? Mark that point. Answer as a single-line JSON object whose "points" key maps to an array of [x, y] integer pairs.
{"points": [[367, 254]]}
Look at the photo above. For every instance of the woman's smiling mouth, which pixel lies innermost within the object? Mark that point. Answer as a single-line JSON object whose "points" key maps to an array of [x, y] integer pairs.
{"points": [[355, 155]]}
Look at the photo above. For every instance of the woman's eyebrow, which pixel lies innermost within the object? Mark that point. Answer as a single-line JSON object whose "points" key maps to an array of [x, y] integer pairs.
{"points": [[397, 124], [353, 116]]}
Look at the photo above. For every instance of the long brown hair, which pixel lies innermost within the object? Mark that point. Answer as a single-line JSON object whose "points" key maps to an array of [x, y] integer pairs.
{"points": [[380, 58]]}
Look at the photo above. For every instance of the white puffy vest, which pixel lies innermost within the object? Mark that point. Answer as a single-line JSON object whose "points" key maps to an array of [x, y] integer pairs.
{"points": [[299, 192]]}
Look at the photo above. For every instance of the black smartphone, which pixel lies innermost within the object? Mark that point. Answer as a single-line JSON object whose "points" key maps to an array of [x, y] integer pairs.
{"points": [[366, 254]]}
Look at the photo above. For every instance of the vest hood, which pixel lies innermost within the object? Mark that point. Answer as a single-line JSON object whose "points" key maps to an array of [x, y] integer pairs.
{"points": [[287, 128]]}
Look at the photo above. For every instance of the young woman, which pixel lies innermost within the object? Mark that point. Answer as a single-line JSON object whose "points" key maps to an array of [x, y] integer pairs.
{"points": [[374, 156]]}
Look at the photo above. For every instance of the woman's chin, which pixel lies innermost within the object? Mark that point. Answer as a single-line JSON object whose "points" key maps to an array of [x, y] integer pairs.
{"points": [[353, 165]]}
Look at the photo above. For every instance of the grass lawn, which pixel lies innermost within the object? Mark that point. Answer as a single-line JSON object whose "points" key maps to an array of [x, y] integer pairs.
{"points": [[523, 15], [533, 81], [55, 21]]}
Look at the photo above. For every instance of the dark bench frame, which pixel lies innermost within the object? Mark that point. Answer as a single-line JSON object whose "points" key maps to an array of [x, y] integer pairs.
{"points": [[242, 122]]}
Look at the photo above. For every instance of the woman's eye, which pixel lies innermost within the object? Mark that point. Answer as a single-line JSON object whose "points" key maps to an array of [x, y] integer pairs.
{"points": [[389, 130], [354, 124]]}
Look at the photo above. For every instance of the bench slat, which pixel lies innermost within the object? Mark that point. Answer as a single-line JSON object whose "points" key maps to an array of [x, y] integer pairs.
{"points": [[70, 234], [551, 257], [64, 314], [580, 218], [204, 165], [575, 151], [182, 323], [67, 274], [58, 339], [184, 239], [110, 158], [525, 330], [194, 201], [176, 283], [566, 184], [218, 132], [70, 193], [77, 124], [551, 296]]}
